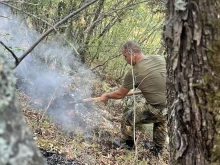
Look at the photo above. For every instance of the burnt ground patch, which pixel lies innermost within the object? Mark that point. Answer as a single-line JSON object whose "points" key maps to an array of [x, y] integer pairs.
{"points": [[54, 158]]}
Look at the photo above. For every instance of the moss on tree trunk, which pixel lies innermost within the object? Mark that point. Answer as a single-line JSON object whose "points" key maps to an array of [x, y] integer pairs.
{"points": [[17, 146]]}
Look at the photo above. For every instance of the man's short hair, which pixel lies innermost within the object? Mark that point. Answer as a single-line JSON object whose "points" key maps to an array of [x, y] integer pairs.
{"points": [[131, 47]]}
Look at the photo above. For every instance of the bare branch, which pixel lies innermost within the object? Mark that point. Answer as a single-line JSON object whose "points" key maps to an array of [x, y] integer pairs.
{"points": [[14, 7], [23, 2], [16, 58], [101, 64], [51, 100], [4, 17], [106, 61]]}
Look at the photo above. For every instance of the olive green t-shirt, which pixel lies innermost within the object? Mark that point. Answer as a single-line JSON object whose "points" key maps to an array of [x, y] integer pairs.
{"points": [[149, 77]]}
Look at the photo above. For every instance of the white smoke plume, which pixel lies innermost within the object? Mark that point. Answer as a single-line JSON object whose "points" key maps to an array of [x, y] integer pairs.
{"points": [[50, 70]]}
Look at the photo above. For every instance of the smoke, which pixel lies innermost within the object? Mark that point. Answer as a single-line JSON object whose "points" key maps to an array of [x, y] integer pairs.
{"points": [[51, 75]]}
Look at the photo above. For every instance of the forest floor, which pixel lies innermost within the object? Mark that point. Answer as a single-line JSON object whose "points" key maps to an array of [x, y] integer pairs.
{"points": [[61, 145]]}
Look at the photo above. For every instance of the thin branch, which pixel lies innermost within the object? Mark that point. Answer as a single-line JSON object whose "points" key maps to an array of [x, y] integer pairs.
{"points": [[16, 58], [101, 64], [51, 29], [106, 61], [14, 7], [5, 17], [22, 2], [50, 102]]}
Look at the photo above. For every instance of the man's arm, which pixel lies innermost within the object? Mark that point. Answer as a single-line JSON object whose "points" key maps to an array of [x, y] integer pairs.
{"points": [[117, 94]]}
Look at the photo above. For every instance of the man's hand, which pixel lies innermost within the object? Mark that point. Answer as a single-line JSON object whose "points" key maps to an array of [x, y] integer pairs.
{"points": [[104, 97], [118, 94]]}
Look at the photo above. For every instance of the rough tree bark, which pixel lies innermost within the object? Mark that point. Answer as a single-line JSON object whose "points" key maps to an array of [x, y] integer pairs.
{"points": [[191, 34], [17, 146]]}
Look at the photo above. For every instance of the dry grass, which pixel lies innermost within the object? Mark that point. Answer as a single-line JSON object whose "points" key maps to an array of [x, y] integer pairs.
{"points": [[94, 147]]}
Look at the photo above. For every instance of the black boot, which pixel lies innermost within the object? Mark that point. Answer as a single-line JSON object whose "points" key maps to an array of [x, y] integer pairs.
{"points": [[154, 149], [124, 143]]}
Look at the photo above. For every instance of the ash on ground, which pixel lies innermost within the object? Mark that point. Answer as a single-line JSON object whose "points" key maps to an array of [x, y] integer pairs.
{"points": [[54, 158]]}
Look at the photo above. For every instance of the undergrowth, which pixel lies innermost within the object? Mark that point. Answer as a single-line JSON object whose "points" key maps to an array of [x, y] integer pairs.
{"points": [[93, 147]]}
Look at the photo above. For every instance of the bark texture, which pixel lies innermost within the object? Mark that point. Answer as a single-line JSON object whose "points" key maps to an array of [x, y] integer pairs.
{"points": [[191, 35], [17, 146]]}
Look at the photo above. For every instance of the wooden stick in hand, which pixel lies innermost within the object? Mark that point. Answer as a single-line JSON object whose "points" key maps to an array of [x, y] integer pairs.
{"points": [[98, 98]]}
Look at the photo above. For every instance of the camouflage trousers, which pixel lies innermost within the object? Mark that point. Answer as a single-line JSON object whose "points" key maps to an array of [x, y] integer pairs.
{"points": [[146, 114]]}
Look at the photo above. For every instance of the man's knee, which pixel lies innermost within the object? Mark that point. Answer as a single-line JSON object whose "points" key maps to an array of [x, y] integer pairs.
{"points": [[128, 118]]}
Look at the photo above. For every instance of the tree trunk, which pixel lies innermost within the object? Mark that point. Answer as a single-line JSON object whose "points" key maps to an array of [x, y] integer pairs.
{"points": [[17, 146], [191, 34]]}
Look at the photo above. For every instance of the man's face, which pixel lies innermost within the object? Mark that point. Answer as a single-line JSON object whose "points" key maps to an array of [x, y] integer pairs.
{"points": [[128, 58]]}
